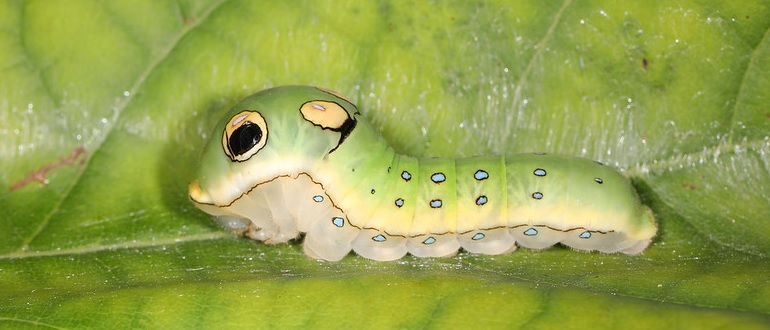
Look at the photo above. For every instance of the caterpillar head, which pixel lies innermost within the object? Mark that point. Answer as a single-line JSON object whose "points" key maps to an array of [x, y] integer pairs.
{"points": [[277, 132]]}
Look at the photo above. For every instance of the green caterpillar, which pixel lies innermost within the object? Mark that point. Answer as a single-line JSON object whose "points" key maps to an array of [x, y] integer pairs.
{"points": [[298, 159]]}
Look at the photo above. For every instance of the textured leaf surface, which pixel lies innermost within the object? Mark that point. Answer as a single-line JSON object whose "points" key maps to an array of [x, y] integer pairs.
{"points": [[674, 94]]}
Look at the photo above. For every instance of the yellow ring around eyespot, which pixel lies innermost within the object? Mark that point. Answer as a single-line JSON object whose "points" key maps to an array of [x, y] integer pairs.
{"points": [[240, 119]]}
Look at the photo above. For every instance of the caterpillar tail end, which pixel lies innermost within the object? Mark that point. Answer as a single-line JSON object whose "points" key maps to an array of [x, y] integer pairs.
{"points": [[644, 237]]}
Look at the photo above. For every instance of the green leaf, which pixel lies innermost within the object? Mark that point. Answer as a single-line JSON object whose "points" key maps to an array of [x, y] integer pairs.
{"points": [[109, 103]]}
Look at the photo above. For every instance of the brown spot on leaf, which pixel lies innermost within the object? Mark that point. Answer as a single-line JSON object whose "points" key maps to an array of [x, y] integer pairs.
{"points": [[40, 175]]}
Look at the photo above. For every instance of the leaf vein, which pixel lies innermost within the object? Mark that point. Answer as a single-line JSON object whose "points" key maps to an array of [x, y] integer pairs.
{"points": [[119, 107], [539, 49], [742, 93]]}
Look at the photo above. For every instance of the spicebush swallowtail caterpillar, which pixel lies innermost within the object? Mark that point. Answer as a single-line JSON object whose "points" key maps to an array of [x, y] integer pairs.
{"points": [[297, 159]]}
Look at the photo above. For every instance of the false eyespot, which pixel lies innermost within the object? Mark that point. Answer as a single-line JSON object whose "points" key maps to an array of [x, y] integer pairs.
{"points": [[327, 174], [244, 135]]}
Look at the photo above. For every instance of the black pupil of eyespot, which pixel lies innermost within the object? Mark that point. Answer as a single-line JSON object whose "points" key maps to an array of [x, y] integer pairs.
{"points": [[244, 138]]}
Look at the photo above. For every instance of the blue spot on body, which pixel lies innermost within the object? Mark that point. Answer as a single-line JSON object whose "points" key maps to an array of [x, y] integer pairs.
{"points": [[379, 238], [481, 200], [481, 175], [339, 222], [585, 234], [539, 172], [318, 198], [530, 232], [478, 236], [438, 177], [598, 180], [399, 202], [429, 240], [436, 203], [537, 195], [406, 176]]}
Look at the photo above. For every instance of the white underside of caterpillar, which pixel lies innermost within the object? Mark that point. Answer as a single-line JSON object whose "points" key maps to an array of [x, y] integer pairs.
{"points": [[288, 206]]}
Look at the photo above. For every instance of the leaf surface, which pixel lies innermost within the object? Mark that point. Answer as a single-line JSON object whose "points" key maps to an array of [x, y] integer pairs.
{"points": [[110, 103]]}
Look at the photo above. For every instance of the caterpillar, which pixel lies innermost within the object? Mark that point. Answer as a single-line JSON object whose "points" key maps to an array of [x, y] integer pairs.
{"points": [[297, 160]]}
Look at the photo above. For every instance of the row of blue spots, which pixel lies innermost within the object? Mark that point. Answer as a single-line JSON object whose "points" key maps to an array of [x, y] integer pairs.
{"points": [[541, 173], [438, 178], [478, 236], [437, 203], [533, 232], [538, 195], [481, 175], [431, 240], [428, 241]]}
